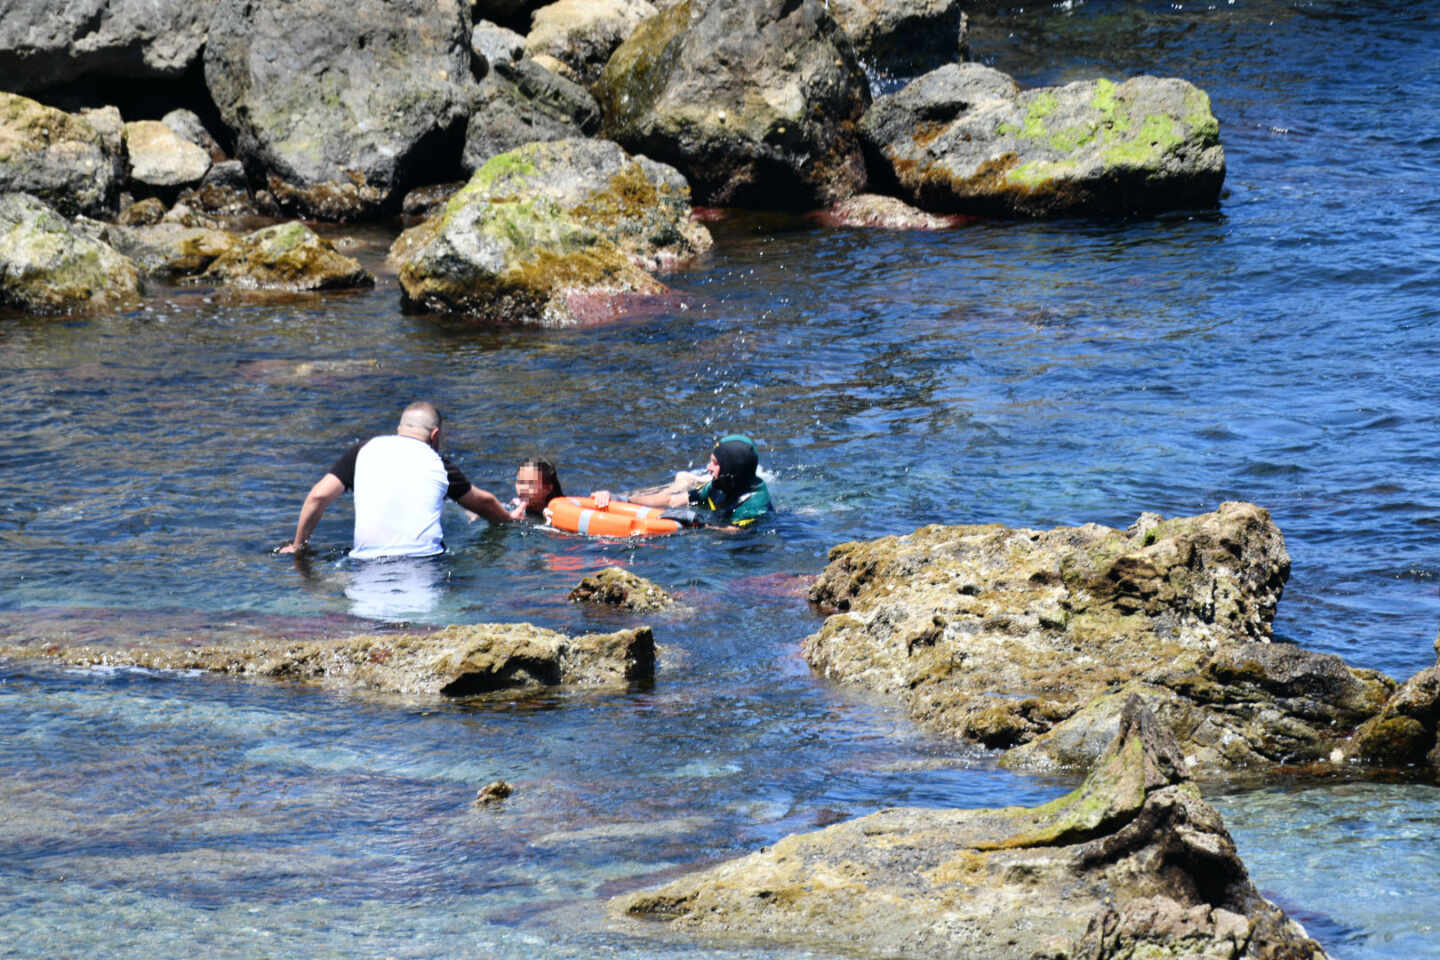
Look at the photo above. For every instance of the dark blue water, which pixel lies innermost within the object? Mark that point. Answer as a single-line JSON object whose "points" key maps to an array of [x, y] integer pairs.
{"points": [[1279, 350]]}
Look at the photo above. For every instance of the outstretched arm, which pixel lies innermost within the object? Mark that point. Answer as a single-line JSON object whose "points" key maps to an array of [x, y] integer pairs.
{"points": [[486, 504], [325, 492], [674, 494]]}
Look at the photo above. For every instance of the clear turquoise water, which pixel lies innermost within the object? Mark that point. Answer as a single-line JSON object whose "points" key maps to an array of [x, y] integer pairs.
{"points": [[1279, 350]]}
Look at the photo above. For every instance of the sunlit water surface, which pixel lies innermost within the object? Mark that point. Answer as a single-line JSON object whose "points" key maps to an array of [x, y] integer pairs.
{"points": [[1280, 350]]}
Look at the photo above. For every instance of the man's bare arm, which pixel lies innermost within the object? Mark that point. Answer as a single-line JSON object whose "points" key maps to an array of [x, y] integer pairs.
{"points": [[486, 504], [325, 492]]}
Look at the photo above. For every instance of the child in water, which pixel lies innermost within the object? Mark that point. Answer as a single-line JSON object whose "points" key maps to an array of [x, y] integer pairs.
{"points": [[536, 484], [729, 494]]}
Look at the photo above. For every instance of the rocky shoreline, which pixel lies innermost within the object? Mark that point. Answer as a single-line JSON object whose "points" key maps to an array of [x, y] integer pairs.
{"points": [[297, 112]]}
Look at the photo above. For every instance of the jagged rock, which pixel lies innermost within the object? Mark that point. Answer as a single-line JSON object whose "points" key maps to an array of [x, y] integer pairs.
{"points": [[965, 139], [755, 102], [224, 191], [55, 157], [47, 265], [904, 36], [582, 34], [289, 256], [888, 213], [1132, 864], [455, 661], [168, 250], [159, 157], [547, 226], [615, 587], [46, 44], [339, 115], [520, 103], [142, 213], [1017, 637]]}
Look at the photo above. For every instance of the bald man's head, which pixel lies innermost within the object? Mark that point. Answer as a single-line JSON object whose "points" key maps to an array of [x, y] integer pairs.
{"points": [[422, 421]]}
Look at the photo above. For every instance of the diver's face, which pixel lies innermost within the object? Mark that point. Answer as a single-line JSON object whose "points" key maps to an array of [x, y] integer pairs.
{"points": [[531, 488], [713, 466]]}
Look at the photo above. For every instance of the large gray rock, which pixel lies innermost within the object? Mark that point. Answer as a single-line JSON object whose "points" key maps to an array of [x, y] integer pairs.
{"points": [[338, 115], [1132, 864], [754, 101], [56, 157], [521, 102], [49, 266], [904, 36], [582, 34], [45, 44], [965, 139], [455, 661], [1020, 639], [557, 233]]}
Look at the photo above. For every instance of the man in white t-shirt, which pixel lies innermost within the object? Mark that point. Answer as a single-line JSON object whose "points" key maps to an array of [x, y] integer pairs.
{"points": [[400, 483]]}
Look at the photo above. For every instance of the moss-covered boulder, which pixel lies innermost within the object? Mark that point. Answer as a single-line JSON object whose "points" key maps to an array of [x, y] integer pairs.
{"points": [[755, 102], [1132, 864], [47, 265], [454, 661], [288, 256], [965, 139], [1028, 640], [56, 157], [557, 233]]}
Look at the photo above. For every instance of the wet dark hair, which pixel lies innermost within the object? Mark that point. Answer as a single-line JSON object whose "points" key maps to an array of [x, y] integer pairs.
{"points": [[548, 476]]}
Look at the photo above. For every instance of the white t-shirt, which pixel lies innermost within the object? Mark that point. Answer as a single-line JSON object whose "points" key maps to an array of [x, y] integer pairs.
{"points": [[400, 485]]}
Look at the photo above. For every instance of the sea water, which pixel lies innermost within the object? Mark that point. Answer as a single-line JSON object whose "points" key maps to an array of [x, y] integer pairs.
{"points": [[1280, 350]]}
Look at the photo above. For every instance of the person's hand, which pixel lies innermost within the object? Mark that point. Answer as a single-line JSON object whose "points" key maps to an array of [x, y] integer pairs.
{"points": [[601, 498], [517, 509], [285, 548]]}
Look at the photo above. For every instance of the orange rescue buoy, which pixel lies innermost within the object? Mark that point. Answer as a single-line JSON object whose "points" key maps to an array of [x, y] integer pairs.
{"points": [[618, 519]]}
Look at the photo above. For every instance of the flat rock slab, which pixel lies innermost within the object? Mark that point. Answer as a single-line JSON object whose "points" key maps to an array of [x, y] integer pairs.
{"points": [[453, 661], [1132, 864]]}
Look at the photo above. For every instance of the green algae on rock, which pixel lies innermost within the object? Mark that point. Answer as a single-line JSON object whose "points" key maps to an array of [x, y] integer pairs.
{"points": [[966, 139], [288, 256], [544, 226], [47, 265], [1029, 641], [1132, 864]]}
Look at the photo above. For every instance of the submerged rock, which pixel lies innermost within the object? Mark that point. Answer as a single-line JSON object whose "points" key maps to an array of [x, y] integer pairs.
{"points": [[1132, 864], [455, 661], [886, 213], [540, 229], [965, 139], [1027, 639], [56, 157], [755, 102], [338, 115], [289, 256], [615, 587], [48, 265]]}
